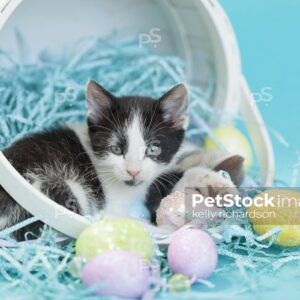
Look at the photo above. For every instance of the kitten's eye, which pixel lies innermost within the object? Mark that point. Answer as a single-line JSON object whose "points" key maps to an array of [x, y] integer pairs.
{"points": [[116, 150], [153, 150]]}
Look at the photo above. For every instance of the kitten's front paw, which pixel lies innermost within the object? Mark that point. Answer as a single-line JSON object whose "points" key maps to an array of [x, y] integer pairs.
{"points": [[206, 182]]}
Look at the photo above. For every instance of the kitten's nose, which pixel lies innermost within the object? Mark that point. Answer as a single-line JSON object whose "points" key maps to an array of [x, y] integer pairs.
{"points": [[133, 173]]}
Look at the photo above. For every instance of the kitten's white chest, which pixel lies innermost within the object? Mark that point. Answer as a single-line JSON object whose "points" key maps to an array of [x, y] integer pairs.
{"points": [[119, 198]]}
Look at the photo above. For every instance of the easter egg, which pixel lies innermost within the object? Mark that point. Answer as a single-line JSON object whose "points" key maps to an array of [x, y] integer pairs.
{"points": [[193, 253], [233, 141], [117, 273], [284, 214], [114, 234], [172, 210], [139, 211], [179, 283]]}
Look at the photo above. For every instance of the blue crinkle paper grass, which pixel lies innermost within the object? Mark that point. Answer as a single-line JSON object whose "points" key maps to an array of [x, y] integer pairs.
{"points": [[51, 92]]}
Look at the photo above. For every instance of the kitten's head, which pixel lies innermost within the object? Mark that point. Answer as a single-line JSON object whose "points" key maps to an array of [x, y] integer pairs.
{"points": [[135, 138]]}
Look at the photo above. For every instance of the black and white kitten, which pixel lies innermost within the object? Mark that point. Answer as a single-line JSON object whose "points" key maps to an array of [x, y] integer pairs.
{"points": [[128, 151]]}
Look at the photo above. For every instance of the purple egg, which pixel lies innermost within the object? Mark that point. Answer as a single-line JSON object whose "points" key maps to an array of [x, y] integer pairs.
{"points": [[118, 273], [193, 253]]}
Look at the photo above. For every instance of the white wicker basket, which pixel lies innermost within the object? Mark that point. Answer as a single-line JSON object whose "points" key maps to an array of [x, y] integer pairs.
{"points": [[187, 28]]}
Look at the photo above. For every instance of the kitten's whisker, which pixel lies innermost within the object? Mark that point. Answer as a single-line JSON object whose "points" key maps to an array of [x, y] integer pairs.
{"points": [[163, 186], [157, 125], [155, 183], [114, 124], [169, 176], [118, 120], [152, 117]]}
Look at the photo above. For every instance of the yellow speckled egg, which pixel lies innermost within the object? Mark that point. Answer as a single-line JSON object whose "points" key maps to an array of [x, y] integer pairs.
{"points": [[114, 234], [233, 141], [285, 214]]}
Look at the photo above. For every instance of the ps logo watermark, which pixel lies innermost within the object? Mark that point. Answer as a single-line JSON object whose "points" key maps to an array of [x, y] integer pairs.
{"points": [[263, 96], [69, 96], [153, 37]]}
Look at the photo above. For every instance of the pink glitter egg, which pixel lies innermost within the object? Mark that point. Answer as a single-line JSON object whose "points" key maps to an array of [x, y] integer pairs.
{"points": [[172, 211], [193, 253], [117, 273]]}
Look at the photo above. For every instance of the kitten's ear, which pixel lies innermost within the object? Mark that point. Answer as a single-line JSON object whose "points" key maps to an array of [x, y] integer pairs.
{"points": [[234, 165], [98, 101], [174, 105]]}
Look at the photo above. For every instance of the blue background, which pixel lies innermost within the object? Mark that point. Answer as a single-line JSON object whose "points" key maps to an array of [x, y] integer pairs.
{"points": [[268, 33]]}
